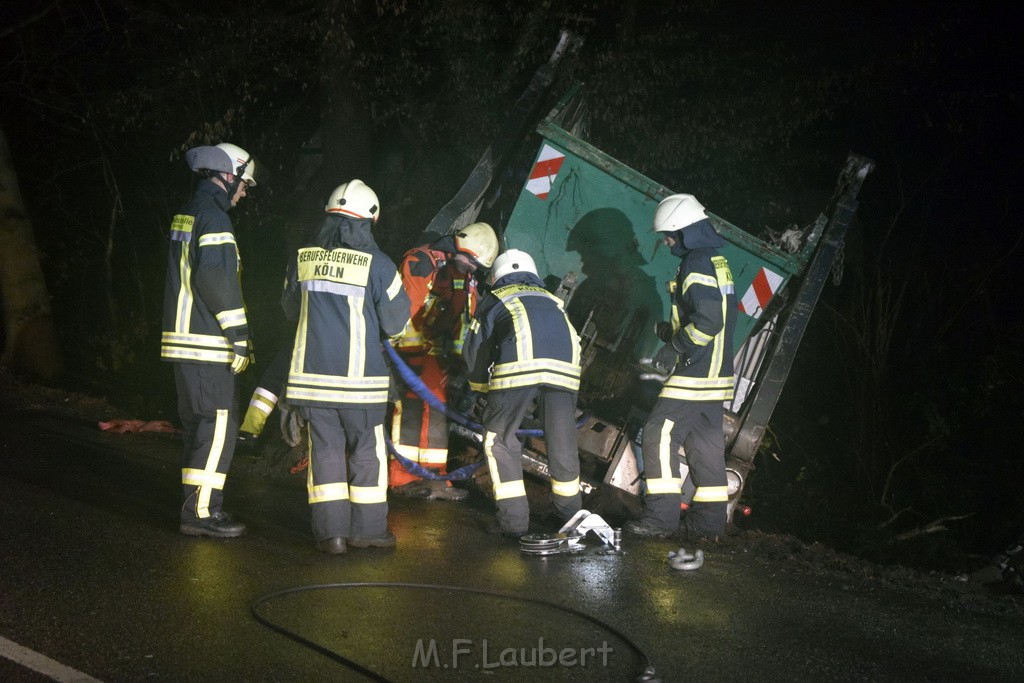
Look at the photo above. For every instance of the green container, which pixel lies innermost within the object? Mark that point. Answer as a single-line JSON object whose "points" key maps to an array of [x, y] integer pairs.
{"points": [[581, 211]]}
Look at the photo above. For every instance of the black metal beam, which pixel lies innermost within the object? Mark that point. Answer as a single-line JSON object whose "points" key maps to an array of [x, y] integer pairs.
{"points": [[768, 389]]}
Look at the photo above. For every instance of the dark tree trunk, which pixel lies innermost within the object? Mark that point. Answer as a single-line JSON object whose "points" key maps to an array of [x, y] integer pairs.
{"points": [[30, 339]]}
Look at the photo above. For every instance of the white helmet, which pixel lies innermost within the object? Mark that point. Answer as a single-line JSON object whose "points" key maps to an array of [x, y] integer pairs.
{"points": [[512, 261], [223, 158], [677, 212], [354, 198], [478, 241], [240, 159]]}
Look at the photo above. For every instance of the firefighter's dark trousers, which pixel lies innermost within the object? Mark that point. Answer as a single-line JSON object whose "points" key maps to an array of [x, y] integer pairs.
{"points": [[208, 408], [504, 414], [696, 427], [347, 495]]}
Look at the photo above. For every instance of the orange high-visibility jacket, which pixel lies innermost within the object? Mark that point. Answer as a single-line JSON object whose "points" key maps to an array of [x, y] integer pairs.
{"points": [[443, 302]]}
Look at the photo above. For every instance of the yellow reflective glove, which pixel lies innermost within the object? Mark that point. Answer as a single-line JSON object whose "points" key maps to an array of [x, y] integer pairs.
{"points": [[241, 360]]}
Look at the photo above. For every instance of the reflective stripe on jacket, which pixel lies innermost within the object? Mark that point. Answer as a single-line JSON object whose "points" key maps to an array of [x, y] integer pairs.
{"points": [[203, 309], [346, 301], [522, 330], [703, 317]]}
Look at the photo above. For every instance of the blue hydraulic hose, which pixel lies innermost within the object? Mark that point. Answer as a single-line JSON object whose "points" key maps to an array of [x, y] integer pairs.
{"points": [[413, 467], [420, 389], [423, 391], [416, 384]]}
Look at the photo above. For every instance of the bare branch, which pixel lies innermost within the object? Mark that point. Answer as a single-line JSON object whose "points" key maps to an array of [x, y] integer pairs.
{"points": [[929, 528], [896, 464], [894, 517], [31, 20]]}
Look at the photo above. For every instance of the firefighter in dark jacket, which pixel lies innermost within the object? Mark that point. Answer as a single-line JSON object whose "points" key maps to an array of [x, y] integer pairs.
{"points": [[698, 358], [206, 335], [521, 347], [347, 298]]}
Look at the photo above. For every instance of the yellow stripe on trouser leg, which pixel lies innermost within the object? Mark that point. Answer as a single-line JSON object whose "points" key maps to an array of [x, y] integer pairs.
{"points": [[433, 457], [396, 424], [666, 483], [406, 424], [711, 494], [382, 458], [309, 468], [370, 495], [321, 493], [502, 490], [208, 478], [509, 489], [565, 488], [192, 477], [326, 492], [367, 495]]}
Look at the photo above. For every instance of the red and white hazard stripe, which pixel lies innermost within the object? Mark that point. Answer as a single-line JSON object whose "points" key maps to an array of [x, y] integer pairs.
{"points": [[760, 292], [544, 171]]}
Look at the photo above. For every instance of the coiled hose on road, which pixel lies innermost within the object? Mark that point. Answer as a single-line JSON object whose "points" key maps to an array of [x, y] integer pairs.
{"points": [[647, 675]]}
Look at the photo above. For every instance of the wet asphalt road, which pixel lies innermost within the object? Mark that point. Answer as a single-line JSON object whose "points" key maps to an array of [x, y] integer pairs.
{"points": [[95, 577]]}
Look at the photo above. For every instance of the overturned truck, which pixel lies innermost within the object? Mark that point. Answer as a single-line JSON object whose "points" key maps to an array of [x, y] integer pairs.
{"points": [[586, 219]]}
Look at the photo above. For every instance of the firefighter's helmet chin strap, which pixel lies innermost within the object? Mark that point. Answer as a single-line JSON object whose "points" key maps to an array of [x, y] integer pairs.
{"points": [[232, 187]]}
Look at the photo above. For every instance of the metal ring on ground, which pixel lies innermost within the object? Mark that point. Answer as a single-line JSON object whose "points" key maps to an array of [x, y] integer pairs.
{"points": [[684, 561]]}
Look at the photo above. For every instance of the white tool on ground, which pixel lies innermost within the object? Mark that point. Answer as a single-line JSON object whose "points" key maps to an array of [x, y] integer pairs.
{"points": [[569, 539]]}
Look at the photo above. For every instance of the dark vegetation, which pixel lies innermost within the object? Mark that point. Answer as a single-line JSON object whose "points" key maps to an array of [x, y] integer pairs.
{"points": [[895, 436]]}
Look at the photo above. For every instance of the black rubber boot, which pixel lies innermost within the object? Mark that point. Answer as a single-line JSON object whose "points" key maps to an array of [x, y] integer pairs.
{"points": [[217, 525], [385, 541], [332, 546]]}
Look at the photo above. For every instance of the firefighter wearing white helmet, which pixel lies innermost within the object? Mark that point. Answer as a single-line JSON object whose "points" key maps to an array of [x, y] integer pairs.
{"points": [[345, 295], [677, 212], [522, 348], [697, 357], [241, 162], [442, 280], [512, 261], [228, 166], [205, 333], [355, 199]]}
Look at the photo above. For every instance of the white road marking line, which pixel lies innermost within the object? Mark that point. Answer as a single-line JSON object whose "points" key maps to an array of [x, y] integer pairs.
{"points": [[42, 664]]}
